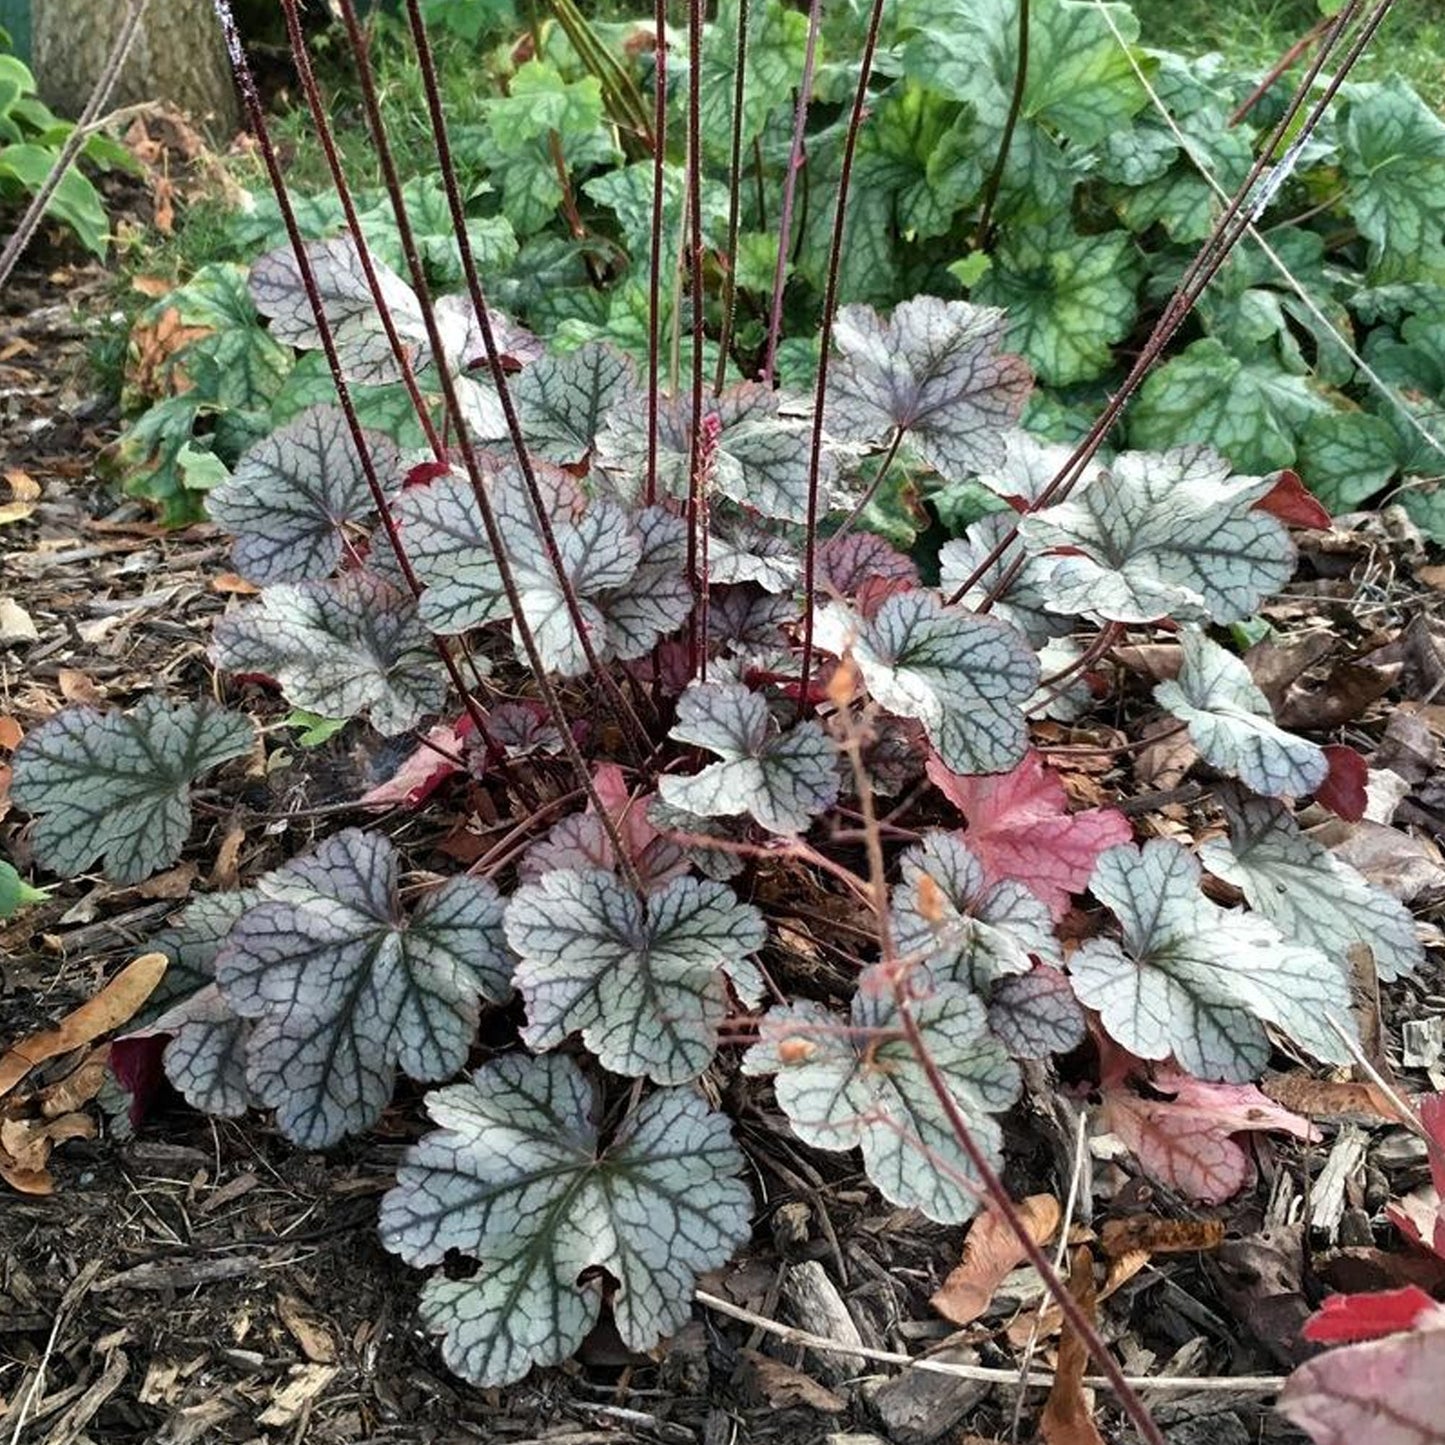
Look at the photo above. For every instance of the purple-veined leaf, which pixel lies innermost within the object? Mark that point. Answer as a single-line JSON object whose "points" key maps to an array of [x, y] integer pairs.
{"points": [[338, 648], [1029, 465], [342, 988], [1021, 602], [1310, 895], [642, 981], [1035, 1015], [746, 616], [850, 564], [523, 728], [1230, 722], [858, 1083], [116, 786], [205, 1042], [783, 780], [741, 551], [657, 598], [561, 400], [465, 348], [1162, 534], [719, 864], [963, 677], [1198, 981], [936, 370], [963, 929], [293, 494], [361, 342], [759, 457], [517, 1179]]}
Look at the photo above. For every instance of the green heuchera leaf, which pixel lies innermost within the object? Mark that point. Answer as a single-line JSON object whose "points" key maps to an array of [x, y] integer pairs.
{"points": [[963, 929], [643, 980], [15, 892], [936, 370], [75, 201], [1346, 457], [205, 1058], [116, 786], [1198, 981], [292, 496], [1069, 298], [776, 38], [1231, 723], [338, 648], [963, 677], [1249, 412], [517, 1179], [1159, 535], [846, 1084], [1393, 150], [342, 988], [1311, 896], [782, 779]]}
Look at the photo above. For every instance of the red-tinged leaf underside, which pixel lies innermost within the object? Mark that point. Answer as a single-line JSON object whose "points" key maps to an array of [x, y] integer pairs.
{"points": [[1343, 790], [1292, 504], [1019, 826], [1351, 1318]]}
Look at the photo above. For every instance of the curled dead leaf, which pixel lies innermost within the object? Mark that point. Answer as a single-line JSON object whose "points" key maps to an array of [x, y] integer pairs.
{"points": [[989, 1253]]}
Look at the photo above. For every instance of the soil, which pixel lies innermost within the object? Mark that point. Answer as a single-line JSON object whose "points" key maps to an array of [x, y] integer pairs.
{"points": [[200, 1280]]}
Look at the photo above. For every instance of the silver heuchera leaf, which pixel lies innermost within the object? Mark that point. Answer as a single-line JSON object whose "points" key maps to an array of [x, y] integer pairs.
{"points": [[1310, 895], [1035, 1015], [343, 989], [338, 648], [356, 328], [740, 551], [1029, 465], [292, 496], [859, 1083], [1198, 981], [116, 786], [949, 919], [515, 1179], [1021, 603], [759, 457], [848, 563], [783, 780], [206, 1056], [1166, 534], [1231, 724], [657, 598], [561, 400], [963, 677], [641, 980], [934, 369]]}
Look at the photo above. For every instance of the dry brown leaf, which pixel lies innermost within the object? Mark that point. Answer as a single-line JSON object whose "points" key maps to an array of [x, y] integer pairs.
{"points": [[78, 1087], [15, 512], [16, 624], [75, 686], [1328, 1098], [10, 732], [785, 1388], [1159, 1236], [989, 1253], [172, 884], [110, 1008], [23, 487], [1043, 1322], [226, 873], [309, 1333], [1068, 1417], [229, 582]]}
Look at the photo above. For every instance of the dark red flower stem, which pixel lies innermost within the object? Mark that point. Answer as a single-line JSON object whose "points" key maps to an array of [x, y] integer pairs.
{"points": [[654, 280], [735, 190], [696, 473]]}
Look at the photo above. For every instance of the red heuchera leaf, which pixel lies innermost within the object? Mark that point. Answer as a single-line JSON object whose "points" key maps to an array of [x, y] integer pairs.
{"points": [[423, 473], [1343, 790], [138, 1069], [424, 771], [1293, 503], [1019, 826], [1350, 1318], [1385, 1392], [1188, 1141]]}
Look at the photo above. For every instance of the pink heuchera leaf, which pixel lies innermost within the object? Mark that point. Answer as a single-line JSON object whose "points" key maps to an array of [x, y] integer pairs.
{"points": [[1188, 1141], [1019, 826], [1343, 790], [1385, 1392], [1293, 504], [1421, 1216], [424, 771], [1350, 1318]]}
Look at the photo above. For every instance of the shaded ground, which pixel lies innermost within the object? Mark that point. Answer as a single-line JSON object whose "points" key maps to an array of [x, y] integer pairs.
{"points": [[201, 1280]]}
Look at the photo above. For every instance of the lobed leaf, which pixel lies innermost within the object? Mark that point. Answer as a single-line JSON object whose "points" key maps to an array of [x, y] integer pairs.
{"points": [[342, 988], [963, 677], [515, 1179], [859, 1084], [1035, 1015], [1310, 895], [338, 648], [783, 780], [1198, 981], [292, 496], [115, 786], [1232, 725], [562, 400], [642, 980]]}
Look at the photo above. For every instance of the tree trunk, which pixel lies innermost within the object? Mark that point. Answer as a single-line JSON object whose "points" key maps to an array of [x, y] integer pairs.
{"points": [[178, 56]]}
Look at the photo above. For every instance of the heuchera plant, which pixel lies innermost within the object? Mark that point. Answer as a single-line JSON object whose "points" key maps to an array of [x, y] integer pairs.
{"points": [[654, 597]]}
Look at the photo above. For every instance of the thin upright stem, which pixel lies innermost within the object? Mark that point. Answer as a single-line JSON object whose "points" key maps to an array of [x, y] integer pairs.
{"points": [[825, 344], [790, 186], [735, 184], [1015, 108], [697, 479], [654, 278]]}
